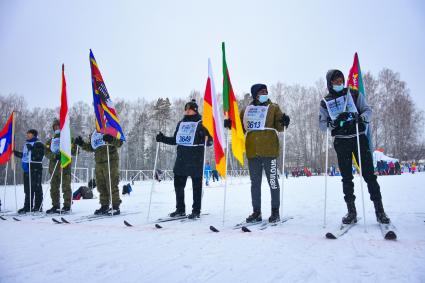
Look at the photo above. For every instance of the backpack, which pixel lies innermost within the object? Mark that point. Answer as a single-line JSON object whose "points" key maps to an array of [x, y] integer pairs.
{"points": [[126, 189], [86, 193]]}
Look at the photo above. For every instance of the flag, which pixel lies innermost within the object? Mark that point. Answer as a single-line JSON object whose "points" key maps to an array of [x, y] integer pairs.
{"points": [[65, 137], [355, 82], [212, 122], [6, 140], [231, 111], [107, 121]]}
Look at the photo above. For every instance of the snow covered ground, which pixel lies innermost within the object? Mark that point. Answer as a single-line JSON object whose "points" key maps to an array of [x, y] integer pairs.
{"points": [[36, 250]]}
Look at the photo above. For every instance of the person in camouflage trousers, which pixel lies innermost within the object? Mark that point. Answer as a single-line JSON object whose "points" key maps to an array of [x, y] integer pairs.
{"points": [[52, 152], [98, 144]]}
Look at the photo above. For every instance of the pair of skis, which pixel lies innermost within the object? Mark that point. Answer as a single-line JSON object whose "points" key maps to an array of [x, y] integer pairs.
{"points": [[90, 218], [167, 219], [387, 230], [262, 225]]}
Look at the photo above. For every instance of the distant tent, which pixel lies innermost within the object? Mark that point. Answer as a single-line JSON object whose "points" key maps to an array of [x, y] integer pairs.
{"points": [[379, 155]]}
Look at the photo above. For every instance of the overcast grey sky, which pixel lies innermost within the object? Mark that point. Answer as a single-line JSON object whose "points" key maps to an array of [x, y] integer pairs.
{"points": [[160, 48]]}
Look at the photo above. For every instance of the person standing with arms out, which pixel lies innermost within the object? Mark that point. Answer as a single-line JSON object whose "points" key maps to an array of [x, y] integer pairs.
{"points": [[340, 110], [262, 120], [32, 158], [190, 136], [98, 144], [54, 155]]}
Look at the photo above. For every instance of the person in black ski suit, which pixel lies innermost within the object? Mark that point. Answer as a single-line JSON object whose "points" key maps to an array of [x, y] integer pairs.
{"points": [[32, 157], [190, 137], [341, 116]]}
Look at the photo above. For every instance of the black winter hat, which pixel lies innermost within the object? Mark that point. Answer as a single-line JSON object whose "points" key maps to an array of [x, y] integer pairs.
{"points": [[56, 122], [191, 105], [33, 132], [256, 88], [332, 75]]}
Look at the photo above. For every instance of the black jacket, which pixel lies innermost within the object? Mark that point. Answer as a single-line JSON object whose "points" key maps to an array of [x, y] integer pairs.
{"points": [[190, 159]]}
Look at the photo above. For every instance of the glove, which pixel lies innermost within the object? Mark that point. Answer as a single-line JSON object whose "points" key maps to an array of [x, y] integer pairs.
{"points": [[58, 157], [160, 137], [29, 147], [341, 119], [79, 141], [329, 123], [108, 138], [228, 123], [284, 120]]}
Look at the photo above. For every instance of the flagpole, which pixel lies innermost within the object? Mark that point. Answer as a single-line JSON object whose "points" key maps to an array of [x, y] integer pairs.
{"points": [[13, 158], [110, 185], [14, 182], [225, 180], [153, 181], [60, 192], [29, 175], [5, 183], [75, 176]]}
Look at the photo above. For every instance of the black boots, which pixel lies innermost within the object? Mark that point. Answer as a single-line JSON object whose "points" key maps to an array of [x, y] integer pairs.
{"points": [[275, 217], [194, 215], [254, 217], [381, 217], [24, 210], [351, 216], [53, 210], [177, 213], [102, 210]]}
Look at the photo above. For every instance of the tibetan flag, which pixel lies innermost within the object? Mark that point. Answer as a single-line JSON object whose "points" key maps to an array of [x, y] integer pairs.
{"points": [[355, 82], [65, 137], [231, 111], [6, 140], [107, 121], [213, 123]]}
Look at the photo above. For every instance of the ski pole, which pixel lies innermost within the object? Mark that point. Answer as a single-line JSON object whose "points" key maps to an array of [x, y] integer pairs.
{"points": [[51, 177], [76, 179], [153, 181], [110, 183], [361, 174], [326, 176], [283, 170]]}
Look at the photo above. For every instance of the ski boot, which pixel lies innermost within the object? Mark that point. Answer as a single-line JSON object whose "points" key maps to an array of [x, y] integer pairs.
{"points": [[177, 213], [381, 217], [254, 217], [37, 208], [53, 210], [23, 210], [114, 211], [65, 209], [102, 210], [194, 215], [351, 216], [275, 217]]}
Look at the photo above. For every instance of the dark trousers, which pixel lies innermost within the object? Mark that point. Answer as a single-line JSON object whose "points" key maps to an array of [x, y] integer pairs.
{"points": [[36, 189], [180, 184], [344, 149], [256, 166]]}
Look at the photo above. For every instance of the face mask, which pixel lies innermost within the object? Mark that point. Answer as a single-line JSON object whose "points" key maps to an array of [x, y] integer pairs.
{"points": [[57, 132], [338, 88], [263, 98]]}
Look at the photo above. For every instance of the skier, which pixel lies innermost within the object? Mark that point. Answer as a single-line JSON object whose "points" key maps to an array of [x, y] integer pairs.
{"points": [[32, 158], [207, 173], [340, 110], [262, 120], [98, 144], [190, 137], [53, 153]]}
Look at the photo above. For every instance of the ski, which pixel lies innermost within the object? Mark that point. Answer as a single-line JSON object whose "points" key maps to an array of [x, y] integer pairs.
{"points": [[16, 219], [215, 230], [56, 221], [126, 223], [158, 226], [64, 221], [388, 231], [245, 228], [90, 218], [2, 218], [341, 231], [268, 224]]}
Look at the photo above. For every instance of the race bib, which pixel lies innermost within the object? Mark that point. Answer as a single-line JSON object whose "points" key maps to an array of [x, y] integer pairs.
{"points": [[55, 145], [341, 104], [26, 154], [97, 140], [254, 118], [186, 133]]}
